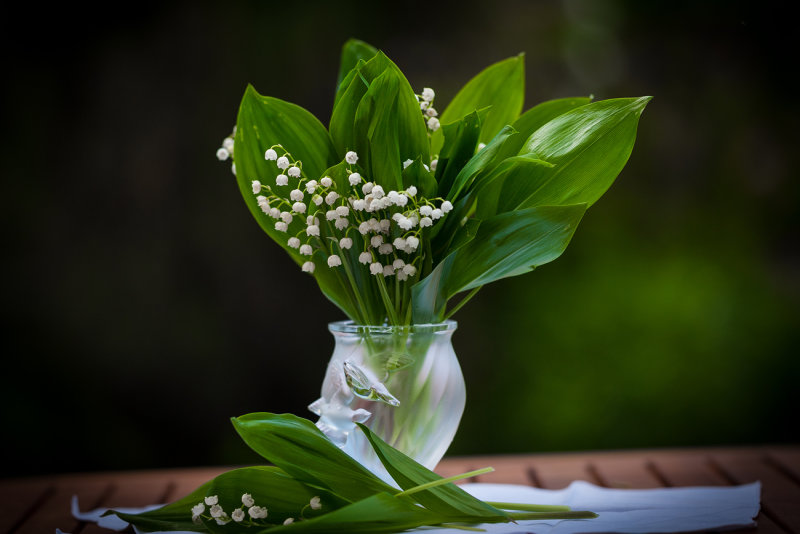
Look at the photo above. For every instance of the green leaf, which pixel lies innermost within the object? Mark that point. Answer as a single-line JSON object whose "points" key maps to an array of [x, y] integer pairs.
{"points": [[353, 51], [505, 245], [446, 499], [481, 162], [460, 141], [542, 113], [589, 146], [298, 447], [503, 190], [416, 175], [501, 86]]}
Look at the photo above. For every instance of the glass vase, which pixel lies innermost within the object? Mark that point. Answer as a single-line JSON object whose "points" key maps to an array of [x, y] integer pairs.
{"points": [[403, 382]]}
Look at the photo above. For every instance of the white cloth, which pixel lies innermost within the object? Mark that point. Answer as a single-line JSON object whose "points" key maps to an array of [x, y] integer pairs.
{"points": [[619, 510]]}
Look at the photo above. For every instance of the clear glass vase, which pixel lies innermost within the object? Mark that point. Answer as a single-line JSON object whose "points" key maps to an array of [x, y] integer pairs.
{"points": [[404, 383]]}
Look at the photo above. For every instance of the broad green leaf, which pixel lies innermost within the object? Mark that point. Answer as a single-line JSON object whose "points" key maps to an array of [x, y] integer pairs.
{"points": [[504, 245], [353, 51], [416, 175], [460, 141], [298, 447], [446, 499], [501, 86], [376, 514], [500, 191], [589, 146], [481, 162], [542, 113]]}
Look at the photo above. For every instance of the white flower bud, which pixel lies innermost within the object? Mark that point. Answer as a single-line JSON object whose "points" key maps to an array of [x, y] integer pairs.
{"points": [[331, 197], [365, 258], [386, 248], [275, 213], [281, 226], [326, 181], [431, 112], [216, 511], [294, 243], [311, 185], [283, 163], [247, 500], [238, 515], [317, 199], [433, 124], [481, 146], [434, 163], [428, 94], [359, 204], [343, 211], [388, 270], [376, 241], [398, 263], [367, 188], [377, 191], [351, 157], [233, 168], [410, 270], [313, 230], [270, 155], [282, 179], [299, 207], [354, 179], [407, 162], [424, 105], [446, 207], [375, 268], [306, 250], [426, 167], [346, 243], [334, 260], [399, 243], [363, 228], [294, 172], [341, 224], [223, 154], [411, 191], [436, 214], [256, 187], [227, 144], [314, 503], [308, 267], [330, 215], [412, 242], [198, 509], [425, 210], [287, 217], [288, 521], [296, 195], [425, 222]]}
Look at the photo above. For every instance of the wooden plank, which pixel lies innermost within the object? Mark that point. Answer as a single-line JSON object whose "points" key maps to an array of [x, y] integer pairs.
{"points": [[508, 469], [55, 513], [684, 469], [780, 495], [20, 498], [134, 490], [186, 481], [624, 471], [786, 460], [559, 471]]}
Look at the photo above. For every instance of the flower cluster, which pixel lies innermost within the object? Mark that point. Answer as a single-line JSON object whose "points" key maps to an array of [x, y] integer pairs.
{"points": [[247, 514], [226, 150], [387, 225], [426, 106]]}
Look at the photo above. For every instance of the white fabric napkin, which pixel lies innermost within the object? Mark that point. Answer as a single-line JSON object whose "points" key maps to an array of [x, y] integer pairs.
{"points": [[619, 510]]}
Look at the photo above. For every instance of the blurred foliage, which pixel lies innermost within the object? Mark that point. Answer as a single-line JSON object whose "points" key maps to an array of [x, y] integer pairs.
{"points": [[136, 312]]}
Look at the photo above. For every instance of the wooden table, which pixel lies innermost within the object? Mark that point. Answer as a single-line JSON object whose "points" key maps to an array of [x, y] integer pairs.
{"points": [[40, 505]]}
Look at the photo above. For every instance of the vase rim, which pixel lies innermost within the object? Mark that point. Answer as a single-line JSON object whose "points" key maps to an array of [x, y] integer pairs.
{"points": [[350, 327]]}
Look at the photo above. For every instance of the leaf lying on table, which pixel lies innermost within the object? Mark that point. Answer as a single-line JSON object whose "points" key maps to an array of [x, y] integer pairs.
{"points": [[315, 487]]}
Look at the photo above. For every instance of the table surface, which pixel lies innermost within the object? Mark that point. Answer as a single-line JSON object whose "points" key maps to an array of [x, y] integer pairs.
{"points": [[42, 504]]}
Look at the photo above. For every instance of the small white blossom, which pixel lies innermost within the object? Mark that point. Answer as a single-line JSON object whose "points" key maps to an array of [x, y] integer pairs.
{"points": [[433, 124], [283, 163], [351, 157], [311, 185], [312, 220], [259, 512], [359, 204], [270, 155], [313, 230], [436, 214], [407, 162], [374, 224], [343, 211], [331, 215], [308, 267], [404, 223], [198, 509], [223, 154], [354, 179], [294, 172], [288, 521], [341, 224], [281, 226], [401, 275], [377, 191], [223, 520], [345, 243], [426, 167], [261, 199], [286, 217], [275, 213], [316, 199], [305, 250], [398, 263], [388, 270], [410, 270], [411, 191], [385, 248], [385, 224], [294, 243], [396, 216], [447, 206], [399, 243], [424, 105], [401, 200], [428, 94], [247, 500], [412, 242], [282, 179], [299, 207], [376, 241], [367, 188], [331, 197], [216, 511], [238, 515], [296, 195], [431, 112], [481, 146], [334, 260], [375, 268], [425, 210], [425, 222], [315, 503], [227, 144], [365, 258], [233, 168], [434, 163], [363, 228], [256, 187]]}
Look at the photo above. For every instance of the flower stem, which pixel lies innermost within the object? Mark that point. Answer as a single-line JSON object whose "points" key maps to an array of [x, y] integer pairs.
{"points": [[387, 302], [462, 302], [529, 507], [435, 483]]}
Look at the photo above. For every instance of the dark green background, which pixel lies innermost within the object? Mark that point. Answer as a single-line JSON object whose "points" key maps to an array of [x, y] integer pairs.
{"points": [[143, 306]]}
